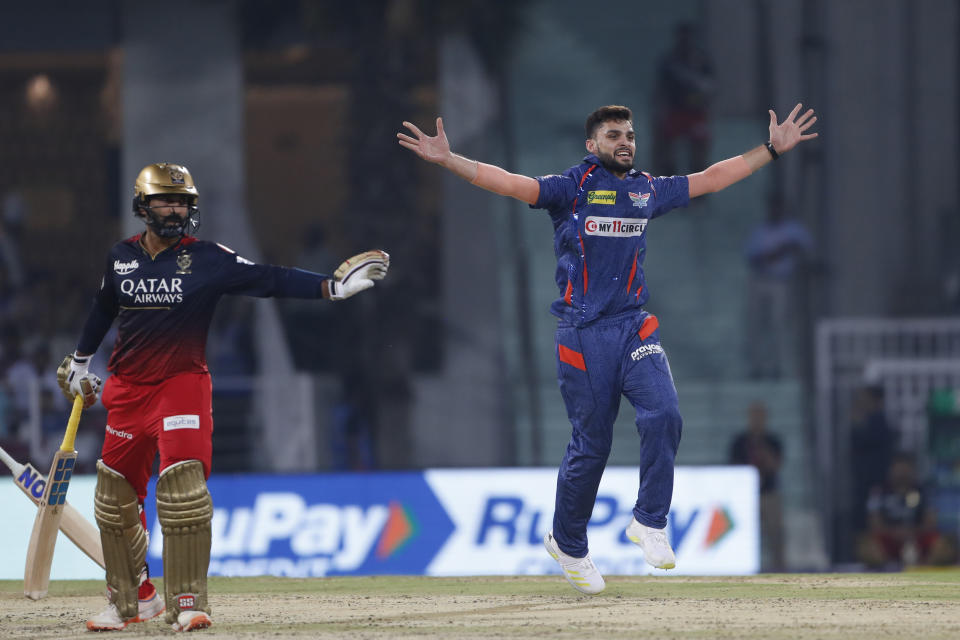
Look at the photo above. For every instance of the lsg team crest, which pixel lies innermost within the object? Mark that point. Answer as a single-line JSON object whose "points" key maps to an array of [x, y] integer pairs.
{"points": [[183, 263], [639, 199]]}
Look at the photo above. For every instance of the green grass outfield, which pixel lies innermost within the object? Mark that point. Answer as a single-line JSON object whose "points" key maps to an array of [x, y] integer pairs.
{"points": [[916, 605]]}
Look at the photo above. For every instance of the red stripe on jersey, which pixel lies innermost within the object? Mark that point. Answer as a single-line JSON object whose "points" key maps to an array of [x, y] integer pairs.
{"points": [[568, 294], [650, 324], [650, 180], [633, 270], [571, 357], [583, 251]]}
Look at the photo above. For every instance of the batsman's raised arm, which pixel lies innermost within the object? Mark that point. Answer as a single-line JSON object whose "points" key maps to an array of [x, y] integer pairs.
{"points": [[784, 136], [436, 149]]}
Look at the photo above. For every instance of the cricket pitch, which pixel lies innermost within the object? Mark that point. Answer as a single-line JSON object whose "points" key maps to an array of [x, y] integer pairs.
{"points": [[838, 606]]}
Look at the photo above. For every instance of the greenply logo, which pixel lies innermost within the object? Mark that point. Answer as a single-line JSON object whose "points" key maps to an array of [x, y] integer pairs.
{"points": [[601, 197]]}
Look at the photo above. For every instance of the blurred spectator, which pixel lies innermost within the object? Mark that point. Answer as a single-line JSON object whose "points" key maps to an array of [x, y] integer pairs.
{"points": [[872, 444], [394, 396], [32, 379], [14, 211], [351, 437], [775, 252], [12, 300], [230, 349], [10, 261], [685, 85], [312, 349], [902, 527], [762, 449], [315, 255]]}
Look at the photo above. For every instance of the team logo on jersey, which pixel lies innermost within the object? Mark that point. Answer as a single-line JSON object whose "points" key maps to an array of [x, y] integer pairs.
{"points": [[601, 197], [183, 263], [639, 199], [124, 268], [614, 227]]}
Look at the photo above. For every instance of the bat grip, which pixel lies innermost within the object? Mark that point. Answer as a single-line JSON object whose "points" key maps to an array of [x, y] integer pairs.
{"points": [[72, 424]]}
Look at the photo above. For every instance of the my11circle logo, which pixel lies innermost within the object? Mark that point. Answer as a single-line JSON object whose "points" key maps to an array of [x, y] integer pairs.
{"points": [[614, 227]]}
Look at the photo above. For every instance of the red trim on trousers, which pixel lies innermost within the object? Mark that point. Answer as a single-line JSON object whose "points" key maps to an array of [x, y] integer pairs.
{"points": [[571, 357]]}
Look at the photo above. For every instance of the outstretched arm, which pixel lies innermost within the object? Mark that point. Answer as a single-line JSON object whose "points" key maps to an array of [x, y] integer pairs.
{"points": [[783, 137], [436, 149]]}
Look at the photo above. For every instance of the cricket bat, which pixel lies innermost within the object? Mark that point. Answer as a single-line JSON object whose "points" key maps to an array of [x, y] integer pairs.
{"points": [[43, 539], [80, 531]]}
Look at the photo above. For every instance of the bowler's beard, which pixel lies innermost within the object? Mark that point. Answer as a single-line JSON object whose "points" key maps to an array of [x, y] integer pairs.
{"points": [[611, 164]]}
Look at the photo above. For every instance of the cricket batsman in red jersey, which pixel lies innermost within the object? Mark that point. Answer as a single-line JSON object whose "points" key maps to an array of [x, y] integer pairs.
{"points": [[162, 286]]}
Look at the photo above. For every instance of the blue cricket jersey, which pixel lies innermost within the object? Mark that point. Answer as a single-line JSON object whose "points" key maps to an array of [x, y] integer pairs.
{"points": [[164, 304], [599, 235]]}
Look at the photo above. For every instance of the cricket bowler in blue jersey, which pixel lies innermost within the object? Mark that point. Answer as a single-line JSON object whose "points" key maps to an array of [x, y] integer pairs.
{"points": [[162, 287], [606, 343]]}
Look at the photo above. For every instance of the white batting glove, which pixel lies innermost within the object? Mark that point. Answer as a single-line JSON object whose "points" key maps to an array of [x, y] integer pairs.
{"points": [[74, 378], [358, 273]]}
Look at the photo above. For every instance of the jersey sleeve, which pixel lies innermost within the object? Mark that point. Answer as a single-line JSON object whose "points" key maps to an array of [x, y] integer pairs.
{"points": [[556, 192], [671, 192], [240, 276], [101, 316]]}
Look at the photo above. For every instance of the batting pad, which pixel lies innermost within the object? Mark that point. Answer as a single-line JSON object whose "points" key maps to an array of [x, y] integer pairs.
{"points": [[123, 537], [185, 510]]}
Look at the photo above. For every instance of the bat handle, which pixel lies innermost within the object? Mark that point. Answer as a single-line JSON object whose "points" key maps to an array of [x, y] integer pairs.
{"points": [[71, 433]]}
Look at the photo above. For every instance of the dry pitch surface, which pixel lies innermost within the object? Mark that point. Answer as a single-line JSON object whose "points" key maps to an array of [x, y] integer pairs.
{"points": [[923, 605]]}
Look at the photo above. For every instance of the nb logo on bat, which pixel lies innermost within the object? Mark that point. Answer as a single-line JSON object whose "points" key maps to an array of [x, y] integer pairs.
{"points": [[61, 480]]}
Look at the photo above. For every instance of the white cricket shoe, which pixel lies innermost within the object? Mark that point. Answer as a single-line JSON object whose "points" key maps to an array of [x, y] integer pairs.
{"points": [[579, 572], [149, 608], [191, 620], [656, 548], [109, 619]]}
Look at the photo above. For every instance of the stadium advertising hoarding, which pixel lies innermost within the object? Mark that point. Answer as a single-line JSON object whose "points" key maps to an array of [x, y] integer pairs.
{"points": [[441, 522]]}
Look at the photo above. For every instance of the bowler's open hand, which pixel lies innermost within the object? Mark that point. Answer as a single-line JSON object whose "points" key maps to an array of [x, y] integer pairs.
{"points": [[434, 149], [790, 132]]}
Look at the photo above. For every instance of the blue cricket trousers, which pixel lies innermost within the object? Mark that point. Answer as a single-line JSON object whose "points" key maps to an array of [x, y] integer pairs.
{"points": [[597, 363]]}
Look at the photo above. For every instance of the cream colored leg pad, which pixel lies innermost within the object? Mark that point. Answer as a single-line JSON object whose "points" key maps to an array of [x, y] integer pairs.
{"points": [[123, 537], [185, 510]]}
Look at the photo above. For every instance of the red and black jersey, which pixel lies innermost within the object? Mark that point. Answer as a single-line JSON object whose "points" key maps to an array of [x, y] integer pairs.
{"points": [[164, 304]]}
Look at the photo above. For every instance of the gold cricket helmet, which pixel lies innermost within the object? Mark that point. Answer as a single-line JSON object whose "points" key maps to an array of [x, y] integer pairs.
{"points": [[162, 178]]}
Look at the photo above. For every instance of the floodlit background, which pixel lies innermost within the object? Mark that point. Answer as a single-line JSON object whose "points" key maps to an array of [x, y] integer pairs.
{"points": [[847, 353]]}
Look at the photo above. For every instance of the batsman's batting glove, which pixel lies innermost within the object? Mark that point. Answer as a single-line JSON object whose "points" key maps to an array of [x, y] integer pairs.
{"points": [[74, 378], [358, 273]]}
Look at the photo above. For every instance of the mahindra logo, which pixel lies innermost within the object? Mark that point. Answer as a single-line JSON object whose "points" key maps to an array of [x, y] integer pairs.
{"points": [[123, 268], [119, 433]]}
